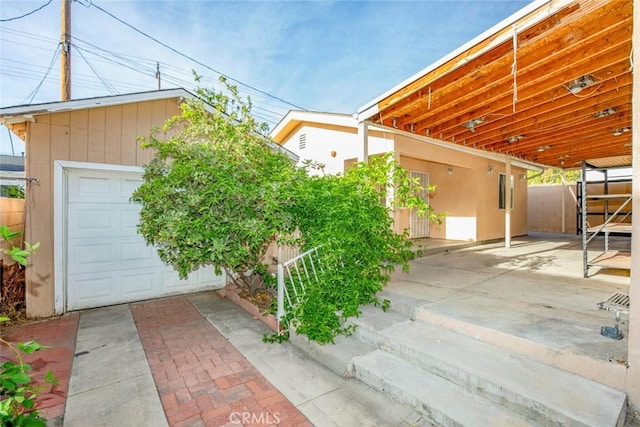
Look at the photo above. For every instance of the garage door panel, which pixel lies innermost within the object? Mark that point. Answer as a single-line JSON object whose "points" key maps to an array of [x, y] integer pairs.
{"points": [[139, 285], [91, 287], [129, 218], [91, 258], [107, 261], [88, 221], [129, 185], [139, 252]]}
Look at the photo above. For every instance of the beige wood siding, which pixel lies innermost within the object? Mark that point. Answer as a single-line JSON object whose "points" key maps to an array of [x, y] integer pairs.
{"points": [[97, 135]]}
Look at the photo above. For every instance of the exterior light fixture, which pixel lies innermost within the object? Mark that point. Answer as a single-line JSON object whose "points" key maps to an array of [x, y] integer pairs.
{"points": [[471, 124], [604, 113], [580, 83], [490, 170], [543, 147], [618, 132], [450, 170], [514, 138]]}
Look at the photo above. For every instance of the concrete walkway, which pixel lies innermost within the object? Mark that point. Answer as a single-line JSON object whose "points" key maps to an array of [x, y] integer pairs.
{"points": [[194, 360]]}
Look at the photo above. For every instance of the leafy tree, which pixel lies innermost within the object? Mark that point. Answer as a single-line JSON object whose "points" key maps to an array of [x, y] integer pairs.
{"points": [[215, 193], [218, 193], [359, 249], [12, 191], [553, 176]]}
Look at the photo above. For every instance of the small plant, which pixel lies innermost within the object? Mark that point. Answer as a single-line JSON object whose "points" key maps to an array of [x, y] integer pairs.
{"points": [[18, 394], [12, 287], [18, 254]]}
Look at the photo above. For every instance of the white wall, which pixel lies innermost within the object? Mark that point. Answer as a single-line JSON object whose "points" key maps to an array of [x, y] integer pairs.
{"points": [[345, 142]]}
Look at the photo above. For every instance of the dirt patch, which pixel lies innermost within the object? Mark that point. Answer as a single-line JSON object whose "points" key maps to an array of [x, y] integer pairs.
{"points": [[262, 299], [12, 291]]}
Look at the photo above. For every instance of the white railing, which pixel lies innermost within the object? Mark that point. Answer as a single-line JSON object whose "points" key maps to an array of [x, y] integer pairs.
{"points": [[292, 276]]}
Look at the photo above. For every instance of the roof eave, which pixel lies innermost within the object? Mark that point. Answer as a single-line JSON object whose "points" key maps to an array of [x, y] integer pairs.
{"points": [[371, 108]]}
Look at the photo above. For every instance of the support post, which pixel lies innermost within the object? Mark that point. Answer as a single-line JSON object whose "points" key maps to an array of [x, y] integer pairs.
{"points": [[363, 133], [632, 386], [507, 207], [564, 201], [65, 51], [583, 218]]}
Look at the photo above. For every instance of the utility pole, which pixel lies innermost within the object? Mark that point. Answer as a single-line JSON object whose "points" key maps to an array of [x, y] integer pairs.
{"points": [[158, 74], [65, 51]]}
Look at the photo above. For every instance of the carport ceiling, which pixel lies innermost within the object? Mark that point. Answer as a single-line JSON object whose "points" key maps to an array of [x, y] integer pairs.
{"points": [[569, 100]]}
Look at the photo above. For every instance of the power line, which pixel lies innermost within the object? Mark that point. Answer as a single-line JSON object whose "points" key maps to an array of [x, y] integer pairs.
{"points": [[188, 57], [37, 88], [104, 81], [26, 14]]}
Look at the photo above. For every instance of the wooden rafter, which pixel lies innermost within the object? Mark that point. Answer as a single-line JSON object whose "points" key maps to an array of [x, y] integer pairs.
{"points": [[582, 38]]}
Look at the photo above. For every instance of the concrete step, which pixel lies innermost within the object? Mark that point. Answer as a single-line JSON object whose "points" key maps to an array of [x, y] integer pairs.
{"points": [[443, 402], [338, 357], [523, 385]]}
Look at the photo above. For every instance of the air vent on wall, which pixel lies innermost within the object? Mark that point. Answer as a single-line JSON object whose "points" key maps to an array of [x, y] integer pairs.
{"points": [[303, 141]]}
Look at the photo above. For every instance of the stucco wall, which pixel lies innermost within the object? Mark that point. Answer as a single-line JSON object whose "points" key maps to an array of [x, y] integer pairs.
{"points": [[545, 206], [469, 194], [11, 215], [322, 140], [98, 135]]}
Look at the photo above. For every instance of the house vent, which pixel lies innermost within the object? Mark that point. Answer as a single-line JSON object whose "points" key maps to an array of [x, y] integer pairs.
{"points": [[303, 141]]}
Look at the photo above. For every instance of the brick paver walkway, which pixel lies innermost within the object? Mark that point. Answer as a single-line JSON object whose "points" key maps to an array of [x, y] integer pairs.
{"points": [[202, 379], [60, 335]]}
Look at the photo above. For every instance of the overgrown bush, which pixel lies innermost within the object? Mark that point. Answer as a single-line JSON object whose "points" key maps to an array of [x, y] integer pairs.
{"points": [[218, 192], [344, 215]]}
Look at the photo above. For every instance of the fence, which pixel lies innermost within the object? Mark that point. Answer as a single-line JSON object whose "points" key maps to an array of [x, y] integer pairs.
{"points": [[11, 215], [293, 274]]}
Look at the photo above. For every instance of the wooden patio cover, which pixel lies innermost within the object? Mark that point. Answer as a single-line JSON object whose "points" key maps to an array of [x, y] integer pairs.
{"points": [[552, 86]]}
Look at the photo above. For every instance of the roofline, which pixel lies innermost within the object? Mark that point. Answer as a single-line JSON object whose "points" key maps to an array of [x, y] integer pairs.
{"points": [[22, 113], [371, 108], [336, 119], [351, 121], [9, 114]]}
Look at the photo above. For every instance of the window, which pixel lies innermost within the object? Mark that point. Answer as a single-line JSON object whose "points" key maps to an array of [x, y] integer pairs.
{"points": [[502, 192], [303, 141]]}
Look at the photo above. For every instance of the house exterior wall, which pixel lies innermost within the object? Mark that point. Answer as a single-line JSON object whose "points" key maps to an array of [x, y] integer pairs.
{"points": [[11, 215], [469, 194], [98, 135], [322, 140]]}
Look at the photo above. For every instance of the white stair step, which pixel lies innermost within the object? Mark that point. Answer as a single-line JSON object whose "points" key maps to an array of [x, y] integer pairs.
{"points": [[338, 357]]}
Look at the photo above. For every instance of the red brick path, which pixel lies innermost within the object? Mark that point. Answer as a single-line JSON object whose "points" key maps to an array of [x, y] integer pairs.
{"points": [[202, 379], [60, 334]]}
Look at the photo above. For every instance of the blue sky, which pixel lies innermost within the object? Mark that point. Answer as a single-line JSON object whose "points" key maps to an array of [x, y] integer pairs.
{"points": [[319, 55]]}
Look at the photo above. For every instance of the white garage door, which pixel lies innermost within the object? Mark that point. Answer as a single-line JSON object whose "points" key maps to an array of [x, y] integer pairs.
{"points": [[107, 261]]}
